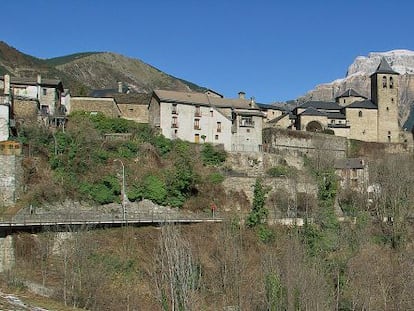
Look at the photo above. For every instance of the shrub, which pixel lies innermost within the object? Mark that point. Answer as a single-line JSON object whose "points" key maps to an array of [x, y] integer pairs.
{"points": [[216, 178], [212, 156], [278, 171]]}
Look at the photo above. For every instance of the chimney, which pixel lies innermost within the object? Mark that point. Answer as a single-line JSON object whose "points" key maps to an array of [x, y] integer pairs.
{"points": [[120, 90], [6, 84], [39, 79], [242, 95], [252, 102]]}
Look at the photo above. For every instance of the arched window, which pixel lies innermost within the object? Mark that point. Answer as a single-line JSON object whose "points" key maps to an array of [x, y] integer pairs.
{"points": [[384, 82], [391, 82], [360, 114]]}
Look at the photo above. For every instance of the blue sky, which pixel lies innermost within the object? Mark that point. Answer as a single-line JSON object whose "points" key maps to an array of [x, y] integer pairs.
{"points": [[272, 50]]}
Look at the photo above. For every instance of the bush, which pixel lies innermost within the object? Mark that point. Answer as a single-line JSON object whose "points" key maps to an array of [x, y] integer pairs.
{"points": [[278, 171], [216, 178], [212, 156]]}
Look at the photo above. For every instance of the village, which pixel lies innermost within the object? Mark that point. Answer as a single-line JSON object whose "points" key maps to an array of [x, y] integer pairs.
{"points": [[237, 125]]}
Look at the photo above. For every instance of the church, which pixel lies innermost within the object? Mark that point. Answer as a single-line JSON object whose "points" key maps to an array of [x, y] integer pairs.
{"points": [[352, 115]]}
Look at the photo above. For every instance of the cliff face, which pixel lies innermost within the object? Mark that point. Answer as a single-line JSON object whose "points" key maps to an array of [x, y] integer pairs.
{"points": [[358, 78]]}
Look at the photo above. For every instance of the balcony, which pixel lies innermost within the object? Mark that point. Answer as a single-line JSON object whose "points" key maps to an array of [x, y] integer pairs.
{"points": [[197, 127], [174, 125], [246, 123], [197, 114]]}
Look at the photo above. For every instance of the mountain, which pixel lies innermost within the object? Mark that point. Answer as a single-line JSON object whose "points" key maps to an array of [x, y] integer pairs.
{"points": [[104, 70], [83, 72], [358, 78]]}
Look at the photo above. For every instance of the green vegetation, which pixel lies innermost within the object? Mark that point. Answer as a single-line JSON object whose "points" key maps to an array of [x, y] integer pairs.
{"points": [[82, 166], [212, 156]]}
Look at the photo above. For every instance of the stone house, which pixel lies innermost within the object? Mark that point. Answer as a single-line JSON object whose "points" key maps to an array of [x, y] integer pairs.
{"points": [[133, 106], [352, 173], [355, 117], [34, 99], [107, 106], [236, 124]]}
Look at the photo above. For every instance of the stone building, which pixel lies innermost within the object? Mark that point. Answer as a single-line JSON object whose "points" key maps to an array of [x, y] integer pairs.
{"points": [[352, 115], [352, 173], [198, 117], [133, 106], [107, 106], [34, 99]]}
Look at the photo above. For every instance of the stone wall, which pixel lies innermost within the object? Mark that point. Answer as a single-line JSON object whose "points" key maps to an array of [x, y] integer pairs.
{"points": [[299, 143], [11, 173]]}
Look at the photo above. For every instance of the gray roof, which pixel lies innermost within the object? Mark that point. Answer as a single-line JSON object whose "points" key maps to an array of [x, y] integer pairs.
{"points": [[336, 115], [349, 163], [313, 112], [271, 107], [321, 105], [384, 67], [364, 104], [350, 93]]}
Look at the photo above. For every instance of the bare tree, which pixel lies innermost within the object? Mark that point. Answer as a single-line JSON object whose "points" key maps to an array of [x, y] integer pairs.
{"points": [[176, 273]]}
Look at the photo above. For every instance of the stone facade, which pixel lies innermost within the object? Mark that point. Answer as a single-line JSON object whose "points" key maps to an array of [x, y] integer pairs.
{"points": [[363, 123], [385, 94], [107, 106], [11, 173], [133, 106]]}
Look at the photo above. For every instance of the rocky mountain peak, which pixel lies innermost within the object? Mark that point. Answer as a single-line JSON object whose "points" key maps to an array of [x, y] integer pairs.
{"points": [[402, 61]]}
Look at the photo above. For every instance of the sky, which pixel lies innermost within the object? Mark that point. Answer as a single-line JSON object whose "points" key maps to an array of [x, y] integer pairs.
{"points": [[271, 50]]}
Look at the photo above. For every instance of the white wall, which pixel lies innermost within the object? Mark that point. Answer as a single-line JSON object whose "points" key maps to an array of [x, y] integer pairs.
{"points": [[4, 122], [185, 120]]}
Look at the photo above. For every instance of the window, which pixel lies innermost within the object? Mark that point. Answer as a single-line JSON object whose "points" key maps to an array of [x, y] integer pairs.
{"points": [[360, 114], [344, 100], [197, 138], [384, 82], [197, 112], [44, 91], [389, 132], [247, 121], [174, 109], [197, 124], [44, 110], [248, 130], [391, 82], [216, 137], [388, 109], [211, 112], [174, 122], [392, 99], [219, 127]]}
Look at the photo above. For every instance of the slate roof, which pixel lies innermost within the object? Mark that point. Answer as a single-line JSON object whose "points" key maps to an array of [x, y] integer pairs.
{"points": [[313, 112], [364, 104], [271, 107], [204, 100], [384, 67], [132, 98], [350, 93], [349, 163], [336, 115], [321, 105]]}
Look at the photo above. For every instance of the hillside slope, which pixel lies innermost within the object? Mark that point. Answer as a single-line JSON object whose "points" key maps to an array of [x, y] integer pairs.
{"points": [[104, 70], [82, 72]]}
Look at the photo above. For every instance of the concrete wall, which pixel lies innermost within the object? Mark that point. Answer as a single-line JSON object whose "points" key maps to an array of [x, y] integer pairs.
{"points": [[11, 173]]}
